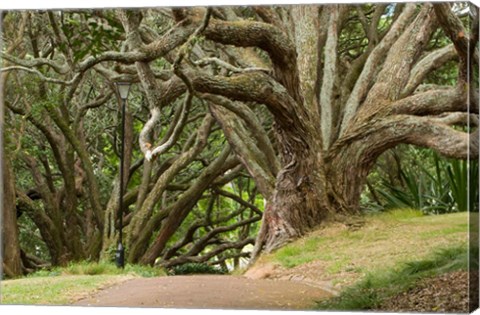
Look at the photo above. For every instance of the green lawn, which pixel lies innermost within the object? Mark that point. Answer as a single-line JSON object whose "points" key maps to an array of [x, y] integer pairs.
{"points": [[55, 290], [63, 286]]}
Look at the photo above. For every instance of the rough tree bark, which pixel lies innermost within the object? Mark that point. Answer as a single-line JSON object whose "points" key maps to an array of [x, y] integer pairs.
{"points": [[329, 129], [324, 166], [10, 251], [336, 103], [10, 234]]}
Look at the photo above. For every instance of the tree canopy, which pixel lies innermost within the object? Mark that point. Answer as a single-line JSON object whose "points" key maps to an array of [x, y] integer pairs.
{"points": [[236, 116]]}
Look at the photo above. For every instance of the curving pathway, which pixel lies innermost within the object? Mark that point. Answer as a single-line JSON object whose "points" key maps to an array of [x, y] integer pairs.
{"points": [[209, 291]]}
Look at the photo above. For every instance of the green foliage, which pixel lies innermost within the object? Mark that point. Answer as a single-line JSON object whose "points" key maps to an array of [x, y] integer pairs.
{"points": [[423, 180], [462, 178], [382, 284], [102, 268], [196, 268], [88, 34], [30, 238]]}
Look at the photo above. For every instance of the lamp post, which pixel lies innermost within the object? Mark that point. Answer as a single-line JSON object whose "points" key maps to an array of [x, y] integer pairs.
{"points": [[123, 88]]}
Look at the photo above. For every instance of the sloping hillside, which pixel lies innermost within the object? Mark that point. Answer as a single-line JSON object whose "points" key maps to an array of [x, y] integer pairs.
{"points": [[337, 256]]}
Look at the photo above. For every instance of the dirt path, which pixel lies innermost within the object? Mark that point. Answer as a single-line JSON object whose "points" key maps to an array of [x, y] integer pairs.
{"points": [[206, 291]]}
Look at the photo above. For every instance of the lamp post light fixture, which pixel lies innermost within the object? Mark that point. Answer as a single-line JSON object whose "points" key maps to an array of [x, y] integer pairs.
{"points": [[123, 89]]}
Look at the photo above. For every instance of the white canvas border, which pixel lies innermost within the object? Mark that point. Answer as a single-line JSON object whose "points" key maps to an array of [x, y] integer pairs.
{"points": [[55, 4]]}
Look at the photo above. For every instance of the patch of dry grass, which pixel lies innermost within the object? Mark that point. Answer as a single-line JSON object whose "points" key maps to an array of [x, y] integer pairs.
{"points": [[342, 255]]}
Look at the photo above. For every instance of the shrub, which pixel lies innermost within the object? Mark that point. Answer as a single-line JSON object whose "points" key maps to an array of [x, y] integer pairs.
{"points": [[196, 268]]}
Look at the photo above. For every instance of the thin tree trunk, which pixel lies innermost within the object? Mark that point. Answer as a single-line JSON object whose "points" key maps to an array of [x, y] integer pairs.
{"points": [[10, 251], [10, 232]]}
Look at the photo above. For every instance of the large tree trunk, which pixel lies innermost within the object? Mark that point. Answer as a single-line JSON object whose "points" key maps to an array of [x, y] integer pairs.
{"points": [[300, 200], [10, 247], [318, 179]]}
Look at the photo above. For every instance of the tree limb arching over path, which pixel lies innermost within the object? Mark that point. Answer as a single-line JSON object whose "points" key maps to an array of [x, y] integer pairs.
{"points": [[305, 109]]}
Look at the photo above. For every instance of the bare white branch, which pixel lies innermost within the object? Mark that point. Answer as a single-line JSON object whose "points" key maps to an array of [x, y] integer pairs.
{"points": [[150, 154], [145, 145]]}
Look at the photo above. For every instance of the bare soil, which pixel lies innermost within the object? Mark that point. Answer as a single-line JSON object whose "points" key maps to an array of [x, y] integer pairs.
{"points": [[209, 291], [311, 274]]}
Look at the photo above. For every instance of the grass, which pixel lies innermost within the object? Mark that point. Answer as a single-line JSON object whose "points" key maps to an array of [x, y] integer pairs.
{"points": [[377, 286], [93, 268], [384, 240], [61, 286], [400, 214], [383, 257], [343, 256], [62, 290]]}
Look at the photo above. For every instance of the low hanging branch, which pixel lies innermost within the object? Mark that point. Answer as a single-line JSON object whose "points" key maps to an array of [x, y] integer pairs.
{"points": [[37, 62], [209, 255]]}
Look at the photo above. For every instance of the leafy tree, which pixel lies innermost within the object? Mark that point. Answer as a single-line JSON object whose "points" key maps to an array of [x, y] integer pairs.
{"points": [[304, 98]]}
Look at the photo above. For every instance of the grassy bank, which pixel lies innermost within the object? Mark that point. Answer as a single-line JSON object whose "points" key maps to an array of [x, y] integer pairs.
{"points": [[378, 286], [344, 254], [62, 286], [60, 290], [384, 255]]}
